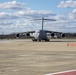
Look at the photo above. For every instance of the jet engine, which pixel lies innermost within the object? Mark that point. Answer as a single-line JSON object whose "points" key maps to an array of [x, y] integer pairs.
{"points": [[27, 34], [52, 34], [63, 35], [20, 35], [58, 35], [17, 35]]}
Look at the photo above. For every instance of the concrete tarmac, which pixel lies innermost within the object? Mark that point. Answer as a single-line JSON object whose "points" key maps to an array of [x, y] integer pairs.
{"points": [[24, 57]]}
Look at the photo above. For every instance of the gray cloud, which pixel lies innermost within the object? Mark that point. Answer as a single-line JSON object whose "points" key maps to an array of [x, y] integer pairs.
{"points": [[25, 14], [68, 3], [12, 5], [34, 13], [72, 15], [5, 16], [5, 22]]}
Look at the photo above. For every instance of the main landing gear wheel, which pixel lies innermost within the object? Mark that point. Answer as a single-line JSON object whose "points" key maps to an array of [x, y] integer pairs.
{"points": [[34, 39], [47, 40]]}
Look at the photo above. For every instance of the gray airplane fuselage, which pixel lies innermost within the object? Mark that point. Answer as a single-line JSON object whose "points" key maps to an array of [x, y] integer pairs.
{"points": [[40, 35]]}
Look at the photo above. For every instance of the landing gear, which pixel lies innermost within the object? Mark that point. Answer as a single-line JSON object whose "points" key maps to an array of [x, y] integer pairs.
{"points": [[34, 39], [47, 40]]}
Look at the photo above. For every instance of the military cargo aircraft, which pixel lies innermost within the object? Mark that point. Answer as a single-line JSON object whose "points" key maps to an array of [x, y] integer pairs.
{"points": [[42, 34]]}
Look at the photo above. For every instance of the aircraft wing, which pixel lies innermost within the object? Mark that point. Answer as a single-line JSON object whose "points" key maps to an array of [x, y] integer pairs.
{"points": [[52, 32], [57, 34], [27, 34]]}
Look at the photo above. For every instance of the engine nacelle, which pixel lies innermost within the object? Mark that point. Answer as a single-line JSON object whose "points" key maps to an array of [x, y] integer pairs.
{"points": [[20, 34], [27, 34], [58, 35], [63, 35], [17, 35], [52, 34]]}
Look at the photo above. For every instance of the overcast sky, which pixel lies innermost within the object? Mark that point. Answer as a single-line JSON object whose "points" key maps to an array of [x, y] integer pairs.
{"points": [[16, 15]]}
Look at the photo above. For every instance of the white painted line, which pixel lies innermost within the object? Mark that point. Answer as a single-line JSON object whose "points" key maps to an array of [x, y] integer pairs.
{"points": [[60, 72]]}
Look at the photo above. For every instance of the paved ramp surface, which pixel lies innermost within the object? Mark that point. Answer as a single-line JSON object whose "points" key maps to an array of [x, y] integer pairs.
{"points": [[23, 57]]}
